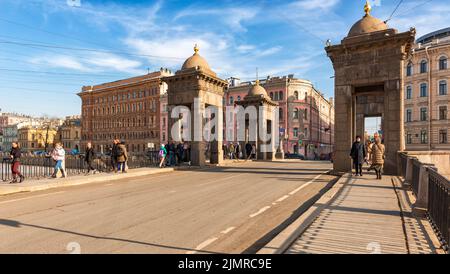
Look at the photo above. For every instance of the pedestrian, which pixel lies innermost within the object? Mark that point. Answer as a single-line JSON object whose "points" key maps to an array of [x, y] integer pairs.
{"points": [[122, 157], [58, 155], [172, 151], [162, 156], [232, 151], [254, 152], [180, 152], [238, 151], [378, 155], [89, 158], [114, 154], [225, 151], [15, 155], [248, 151], [358, 154]]}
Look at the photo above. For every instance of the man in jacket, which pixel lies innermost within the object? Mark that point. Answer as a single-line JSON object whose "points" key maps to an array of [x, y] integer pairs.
{"points": [[114, 155], [358, 154]]}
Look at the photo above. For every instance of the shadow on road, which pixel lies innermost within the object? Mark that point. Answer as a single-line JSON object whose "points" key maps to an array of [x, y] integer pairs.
{"points": [[16, 224]]}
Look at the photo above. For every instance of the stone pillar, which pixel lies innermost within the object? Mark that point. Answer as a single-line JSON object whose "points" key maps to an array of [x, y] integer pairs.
{"points": [[197, 144], [409, 170], [393, 125], [421, 204], [344, 128], [216, 145]]}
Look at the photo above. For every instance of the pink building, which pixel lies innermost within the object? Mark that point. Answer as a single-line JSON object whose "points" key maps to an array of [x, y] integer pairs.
{"points": [[297, 99]]}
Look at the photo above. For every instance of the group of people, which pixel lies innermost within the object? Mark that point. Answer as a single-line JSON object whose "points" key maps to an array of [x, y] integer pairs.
{"points": [[57, 154], [173, 154], [234, 151], [372, 152]]}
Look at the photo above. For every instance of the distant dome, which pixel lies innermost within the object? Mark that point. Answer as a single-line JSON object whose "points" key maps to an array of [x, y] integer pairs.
{"points": [[367, 24], [195, 61], [257, 90]]}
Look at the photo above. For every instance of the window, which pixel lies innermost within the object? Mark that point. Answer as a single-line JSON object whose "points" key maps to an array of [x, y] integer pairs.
{"points": [[443, 113], [271, 95], [408, 115], [276, 96], [408, 138], [296, 132], [296, 112], [408, 92], [443, 63], [443, 87], [443, 136], [239, 98], [423, 137], [280, 96], [423, 66], [295, 95], [409, 69], [423, 114], [231, 100], [280, 115], [423, 90]]}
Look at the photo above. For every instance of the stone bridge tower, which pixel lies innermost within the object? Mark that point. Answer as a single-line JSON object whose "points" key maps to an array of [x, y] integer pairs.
{"points": [[369, 82], [196, 81]]}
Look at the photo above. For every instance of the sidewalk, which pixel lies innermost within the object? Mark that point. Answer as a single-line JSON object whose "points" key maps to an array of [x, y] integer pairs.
{"points": [[43, 184], [359, 215]]}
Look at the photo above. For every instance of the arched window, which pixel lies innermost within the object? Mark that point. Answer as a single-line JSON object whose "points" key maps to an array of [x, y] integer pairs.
{"points": [[239, 98], [231, 100], [280, 96], [443, 87], [424, 66], [275, 96], [295, 95], [443, 63], [423, 90], [409, 69]]}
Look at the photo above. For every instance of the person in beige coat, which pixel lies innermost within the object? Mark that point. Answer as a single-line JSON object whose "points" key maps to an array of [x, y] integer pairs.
{"points": [[122, 157], [378, 155]]}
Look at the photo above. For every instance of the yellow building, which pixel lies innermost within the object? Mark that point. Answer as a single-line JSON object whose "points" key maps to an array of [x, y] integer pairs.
{"points": [[36, 138]]}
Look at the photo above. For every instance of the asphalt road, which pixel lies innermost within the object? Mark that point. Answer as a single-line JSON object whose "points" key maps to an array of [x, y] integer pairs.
{"points": [[234, 209]]}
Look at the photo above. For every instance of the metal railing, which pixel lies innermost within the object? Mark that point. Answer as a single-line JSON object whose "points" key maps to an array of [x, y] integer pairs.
{"points": [[415, 176], [439, 206], [38, 167]]}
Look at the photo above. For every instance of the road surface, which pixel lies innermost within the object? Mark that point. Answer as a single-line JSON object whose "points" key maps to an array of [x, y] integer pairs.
{"points": [[234, 209]]}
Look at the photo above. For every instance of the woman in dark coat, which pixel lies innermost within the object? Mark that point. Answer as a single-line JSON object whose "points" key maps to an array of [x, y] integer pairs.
{"points": [[358, 154], [15, 155]]}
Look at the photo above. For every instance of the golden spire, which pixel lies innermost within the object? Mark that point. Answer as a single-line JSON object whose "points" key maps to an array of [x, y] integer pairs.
{"points": [[257, 78], [367, 8], [196, 49]]}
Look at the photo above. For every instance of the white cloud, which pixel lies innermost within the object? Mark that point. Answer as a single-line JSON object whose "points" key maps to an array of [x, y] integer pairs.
{"points": [[316, 4]]}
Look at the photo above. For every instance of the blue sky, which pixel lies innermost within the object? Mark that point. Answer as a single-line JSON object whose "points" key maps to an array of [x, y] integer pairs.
{"points": [[125, 38]]}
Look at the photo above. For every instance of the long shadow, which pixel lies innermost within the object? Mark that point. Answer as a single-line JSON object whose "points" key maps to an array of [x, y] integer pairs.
{"points": [[365, 210], [385, 187], [16, 224], [264, 240]]}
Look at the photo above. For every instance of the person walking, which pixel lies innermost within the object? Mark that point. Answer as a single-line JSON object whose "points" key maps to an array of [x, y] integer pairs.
{"points": [[162, 156], [378, 155], [248, 151], [122, 157], [89, 158], [58, 155], [232, 151], [358, 154], [180, 152], [114, 155], [15, 155], [238, 151], [254, 152]]}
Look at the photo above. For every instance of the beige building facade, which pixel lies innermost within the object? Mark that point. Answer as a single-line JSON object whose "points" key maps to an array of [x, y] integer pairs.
{"points": [[427, 76], [33, 139], [69, 133]]}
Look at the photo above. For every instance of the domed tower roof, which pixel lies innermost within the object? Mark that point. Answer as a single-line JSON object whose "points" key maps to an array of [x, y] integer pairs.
{"points": [[257, 90], [367, 24], [195, 61]]}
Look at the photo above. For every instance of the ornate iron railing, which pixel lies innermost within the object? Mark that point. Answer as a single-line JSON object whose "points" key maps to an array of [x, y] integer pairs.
{"points": [[439, 206]]}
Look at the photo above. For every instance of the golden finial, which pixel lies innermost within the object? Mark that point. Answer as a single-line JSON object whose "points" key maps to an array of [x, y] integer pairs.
{"points": [[196, 49], [367, 8], [257, 78]]}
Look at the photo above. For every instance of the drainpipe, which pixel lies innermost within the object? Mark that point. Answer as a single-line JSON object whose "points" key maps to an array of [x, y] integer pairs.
{"points": [[430, 90]]}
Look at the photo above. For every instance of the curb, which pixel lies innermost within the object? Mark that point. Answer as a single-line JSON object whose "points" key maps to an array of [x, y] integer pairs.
{"points": [[288, 236], [58, 183]]}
